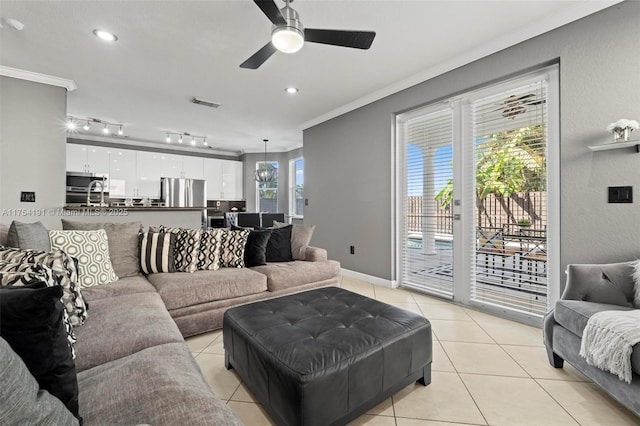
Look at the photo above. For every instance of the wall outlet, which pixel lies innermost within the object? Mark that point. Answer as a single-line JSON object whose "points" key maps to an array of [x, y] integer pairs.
{"points": [[352, 249], [306, 201]]}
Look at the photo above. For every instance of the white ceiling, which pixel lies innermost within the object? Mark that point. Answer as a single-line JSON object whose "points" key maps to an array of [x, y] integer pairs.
{"points": [[171, 51]]}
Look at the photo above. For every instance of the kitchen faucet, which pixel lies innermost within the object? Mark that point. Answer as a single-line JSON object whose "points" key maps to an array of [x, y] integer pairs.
{"points": [[91, 184]]}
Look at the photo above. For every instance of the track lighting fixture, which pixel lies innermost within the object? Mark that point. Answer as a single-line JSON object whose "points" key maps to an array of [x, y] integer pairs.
{"points": [[107, 126], [181, 136]]}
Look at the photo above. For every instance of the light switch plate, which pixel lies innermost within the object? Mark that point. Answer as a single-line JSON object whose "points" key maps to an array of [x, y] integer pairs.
{"points": [[621, 194]]}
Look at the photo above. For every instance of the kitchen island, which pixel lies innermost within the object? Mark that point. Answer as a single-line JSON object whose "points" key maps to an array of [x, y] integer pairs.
{"points": [[186, 217]]}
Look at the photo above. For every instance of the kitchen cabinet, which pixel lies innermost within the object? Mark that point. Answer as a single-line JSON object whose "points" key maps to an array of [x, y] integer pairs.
{"points": [[231, 180], [88, 159], [192, 167], [224, 179], [122, 173], [135, 174]]}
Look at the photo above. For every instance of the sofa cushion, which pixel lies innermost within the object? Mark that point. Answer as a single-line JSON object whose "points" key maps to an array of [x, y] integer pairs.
{"points": [[283, 275], [31, 322], [574, 314], [123, 243], [124, 286], [180, 289], [28, 236], [22, 401], [91, 249], [168, 389], [123, 325]]}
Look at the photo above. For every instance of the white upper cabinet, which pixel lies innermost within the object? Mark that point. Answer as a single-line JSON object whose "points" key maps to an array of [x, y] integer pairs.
{"points": [[88, 159], [150, 167], [76, 158], [192, 167], [232, 180], [122, 173], [213, 176], [224, 179]]}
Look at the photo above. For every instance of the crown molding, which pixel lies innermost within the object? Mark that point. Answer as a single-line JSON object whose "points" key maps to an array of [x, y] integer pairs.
{"points": [[581, 10], [70, 85]]}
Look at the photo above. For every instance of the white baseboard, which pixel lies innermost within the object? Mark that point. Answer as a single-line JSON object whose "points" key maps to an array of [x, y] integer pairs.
{"points": [[369, 278]]}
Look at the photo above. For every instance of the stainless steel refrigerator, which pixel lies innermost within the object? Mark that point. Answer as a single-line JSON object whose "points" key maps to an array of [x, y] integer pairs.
{"points": [[178, 192]]}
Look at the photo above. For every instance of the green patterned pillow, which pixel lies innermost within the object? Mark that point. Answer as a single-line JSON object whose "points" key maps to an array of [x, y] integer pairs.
{"points": [[91, 248]]}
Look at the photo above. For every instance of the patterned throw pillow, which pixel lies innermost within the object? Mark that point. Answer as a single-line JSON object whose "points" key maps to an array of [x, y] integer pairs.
{"points": [[26, 274], [65, 273], [156, 252], [232, 247], [185, 253], [91, 248], [209, 256]]}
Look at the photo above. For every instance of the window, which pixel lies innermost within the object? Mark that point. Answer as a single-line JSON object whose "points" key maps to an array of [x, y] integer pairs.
{"points": [[296, 187], [267, 193]]}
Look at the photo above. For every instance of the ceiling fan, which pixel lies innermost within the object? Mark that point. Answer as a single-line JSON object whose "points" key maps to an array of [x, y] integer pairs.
{"points": [[516, 105], [288, 34]]}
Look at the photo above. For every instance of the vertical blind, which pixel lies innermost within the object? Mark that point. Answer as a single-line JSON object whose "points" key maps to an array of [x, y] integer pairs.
{"points": [[426, 244], [509, 141]]}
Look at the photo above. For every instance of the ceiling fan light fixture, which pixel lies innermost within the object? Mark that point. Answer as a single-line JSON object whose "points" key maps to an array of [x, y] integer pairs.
{"points": [[287, 39], [105, 35]]}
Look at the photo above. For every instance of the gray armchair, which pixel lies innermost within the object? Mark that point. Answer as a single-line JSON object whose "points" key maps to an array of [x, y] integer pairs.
{"points": [[591, 289]]}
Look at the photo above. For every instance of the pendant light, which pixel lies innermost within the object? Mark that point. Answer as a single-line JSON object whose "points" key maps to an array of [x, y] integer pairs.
{"points": [[266, 173]]}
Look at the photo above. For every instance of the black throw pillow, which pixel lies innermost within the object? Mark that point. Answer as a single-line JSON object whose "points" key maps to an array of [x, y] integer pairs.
{"points": [[279, 245], [31, 322], [255, 251]]}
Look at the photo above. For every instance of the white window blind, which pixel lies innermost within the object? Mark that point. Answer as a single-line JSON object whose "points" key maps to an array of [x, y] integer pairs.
{"points": [[426, 242], [509, 137]]}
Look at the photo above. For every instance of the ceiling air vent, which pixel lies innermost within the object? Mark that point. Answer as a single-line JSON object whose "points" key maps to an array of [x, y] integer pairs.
{"points": [[205, 103]]}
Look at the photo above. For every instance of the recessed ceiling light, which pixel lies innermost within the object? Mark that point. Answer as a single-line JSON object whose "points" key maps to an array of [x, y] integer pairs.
{"points": [[105, 35], [291, 90]]}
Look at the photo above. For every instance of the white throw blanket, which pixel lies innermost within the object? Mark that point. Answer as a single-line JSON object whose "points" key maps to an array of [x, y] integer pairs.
{"points": [[608, 339]]}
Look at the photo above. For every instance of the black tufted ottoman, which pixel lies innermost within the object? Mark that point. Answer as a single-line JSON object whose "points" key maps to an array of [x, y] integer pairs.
{"points": [[326, 356]]}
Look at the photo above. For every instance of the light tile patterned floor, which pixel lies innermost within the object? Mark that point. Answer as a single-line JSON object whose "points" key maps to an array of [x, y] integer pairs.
{"points": [[486, 371]]}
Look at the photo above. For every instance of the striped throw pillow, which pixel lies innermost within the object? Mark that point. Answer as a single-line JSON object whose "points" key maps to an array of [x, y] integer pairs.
{"points": [[156, 252]]}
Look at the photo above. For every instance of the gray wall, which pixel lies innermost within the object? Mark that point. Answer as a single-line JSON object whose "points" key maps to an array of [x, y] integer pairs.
{"points": [[32, 151], [249, 168], [348, 170]]}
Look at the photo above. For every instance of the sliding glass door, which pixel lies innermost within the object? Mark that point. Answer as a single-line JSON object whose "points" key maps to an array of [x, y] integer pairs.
{"points": [[474, 221]]}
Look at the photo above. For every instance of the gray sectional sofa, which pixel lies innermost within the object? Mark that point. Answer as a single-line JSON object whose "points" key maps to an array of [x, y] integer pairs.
{"points": [[591, 289], [133, 364]]}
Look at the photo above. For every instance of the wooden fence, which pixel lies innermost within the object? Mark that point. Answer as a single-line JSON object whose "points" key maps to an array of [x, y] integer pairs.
{"points": [[492, 212]]}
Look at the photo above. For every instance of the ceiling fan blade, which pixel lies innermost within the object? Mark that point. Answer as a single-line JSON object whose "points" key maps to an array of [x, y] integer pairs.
{"points": [[356, 39], [271, 10], [259, 57]]}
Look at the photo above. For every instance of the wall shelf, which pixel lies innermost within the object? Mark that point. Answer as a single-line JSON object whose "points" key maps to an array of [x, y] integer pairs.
{"points": [[616, 145]]}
